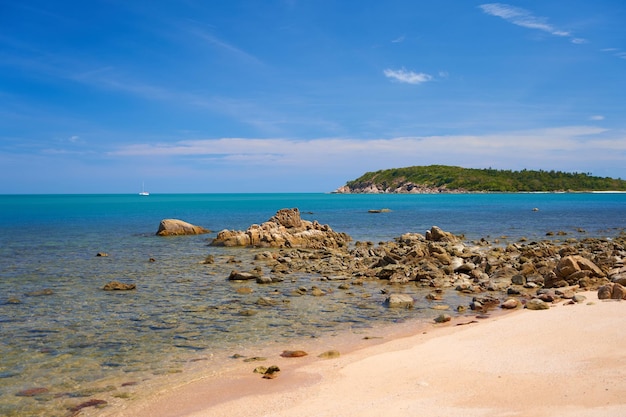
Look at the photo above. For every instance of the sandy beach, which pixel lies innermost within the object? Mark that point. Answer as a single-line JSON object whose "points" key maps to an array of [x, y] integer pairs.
{"points": [[567, 361]]}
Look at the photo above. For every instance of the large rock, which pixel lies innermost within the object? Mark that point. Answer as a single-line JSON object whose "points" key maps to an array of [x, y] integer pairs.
{"points": [[573, 269], [612, 291], [284, 230], [175, 227], [435, 234]]}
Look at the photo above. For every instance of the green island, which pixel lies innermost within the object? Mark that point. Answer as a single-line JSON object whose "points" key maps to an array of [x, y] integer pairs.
{"points": [[454, 179]]}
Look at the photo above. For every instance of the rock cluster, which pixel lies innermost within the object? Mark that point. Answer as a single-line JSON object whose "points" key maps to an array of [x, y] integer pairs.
{"points": [[494, 273], [285, 229]]}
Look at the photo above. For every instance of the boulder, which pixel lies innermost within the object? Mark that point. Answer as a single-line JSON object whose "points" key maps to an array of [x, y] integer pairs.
{"points": [[573, 268], [435, 234], [284, 230], [612, 291], [175, 227]]}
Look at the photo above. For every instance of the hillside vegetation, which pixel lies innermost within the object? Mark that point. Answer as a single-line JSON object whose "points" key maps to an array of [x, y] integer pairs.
{"points": [[442, 178]]}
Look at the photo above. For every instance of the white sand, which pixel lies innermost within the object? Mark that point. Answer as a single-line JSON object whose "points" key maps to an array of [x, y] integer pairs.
{"points": [[567, 361]]}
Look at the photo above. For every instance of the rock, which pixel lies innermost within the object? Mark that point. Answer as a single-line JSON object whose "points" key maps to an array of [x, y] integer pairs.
{"points": [[443, 318], [435, 234], [289, 218], [266, 302], [90, 403], [293, 354], [330, 354], [284, 230], [247, 313], [510, 304], [399, 301], [175, 227], [317, 292], [102, 254], [260, 370], [255, 359], [39, 293], [271, 372], [604, 292], [537, 304], [264, 280], [612, 291], [241, 276], [118, 286], [13, 300], [579, 298], [32, 392], [574, 267]]}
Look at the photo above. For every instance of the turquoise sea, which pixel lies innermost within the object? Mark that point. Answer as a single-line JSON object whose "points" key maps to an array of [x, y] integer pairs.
{"points": [[59, 330]]}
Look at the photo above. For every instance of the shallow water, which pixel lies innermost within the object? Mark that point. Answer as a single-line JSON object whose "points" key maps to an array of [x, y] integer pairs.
{"points": [[60, 331]]}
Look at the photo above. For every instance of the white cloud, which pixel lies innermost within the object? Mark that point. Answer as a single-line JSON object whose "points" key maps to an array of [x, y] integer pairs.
{"points": [[525, 18], [596, 117], [399, 39], [409, 77], [569, 144]]}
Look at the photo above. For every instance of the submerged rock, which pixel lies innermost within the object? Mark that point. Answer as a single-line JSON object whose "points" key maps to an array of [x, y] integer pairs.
{"points": [[118, 286], [399, 301]]}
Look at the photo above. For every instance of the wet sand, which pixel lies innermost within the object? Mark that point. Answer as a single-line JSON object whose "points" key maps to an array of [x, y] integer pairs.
{"points": [[566, 361]]}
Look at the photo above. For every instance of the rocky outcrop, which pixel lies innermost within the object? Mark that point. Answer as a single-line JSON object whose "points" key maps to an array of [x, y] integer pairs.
{"points": [[286, 229], [399, 188], [175, 227]]}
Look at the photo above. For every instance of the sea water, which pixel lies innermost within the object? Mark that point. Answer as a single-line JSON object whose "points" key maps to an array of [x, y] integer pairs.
{"points": [[60, 331]]}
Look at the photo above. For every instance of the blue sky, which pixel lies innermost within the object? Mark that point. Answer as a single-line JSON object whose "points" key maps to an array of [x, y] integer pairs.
{"points": [[293, 95]]}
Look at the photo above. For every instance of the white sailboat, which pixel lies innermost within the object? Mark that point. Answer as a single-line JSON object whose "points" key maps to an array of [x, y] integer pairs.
{"points": [[143, 191]]}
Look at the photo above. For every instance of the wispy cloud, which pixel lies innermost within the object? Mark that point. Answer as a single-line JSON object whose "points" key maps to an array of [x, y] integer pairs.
{"points": [[404, 76], [223, 45], [569, 143], [525, 18], [596, 117], [399, 39]]}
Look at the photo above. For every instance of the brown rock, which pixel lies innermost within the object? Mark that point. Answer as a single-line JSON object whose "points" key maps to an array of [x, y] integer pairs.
{"points": [[605, 291], [90, 403], [437, 235], [510, 304], [118, 286], [293, 353], [271, 372], [175, 227], [32, 392]]}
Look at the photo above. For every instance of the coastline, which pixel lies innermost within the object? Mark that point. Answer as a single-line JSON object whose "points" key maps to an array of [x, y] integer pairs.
{"points": [[566, 360]]}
